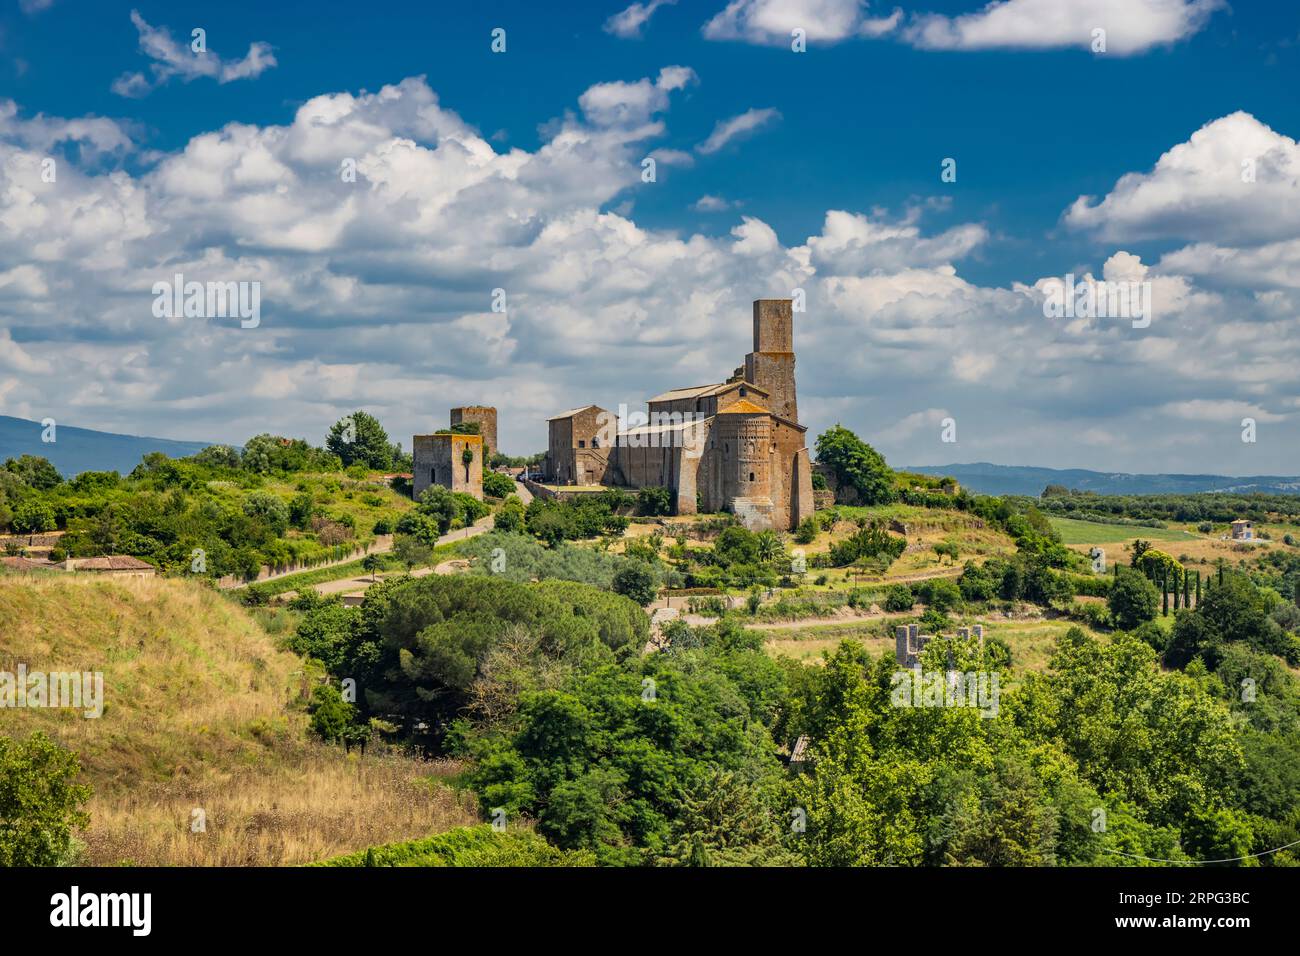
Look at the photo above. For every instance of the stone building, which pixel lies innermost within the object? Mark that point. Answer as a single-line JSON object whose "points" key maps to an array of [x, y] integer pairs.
{"points": [[728, 446], [449, 459], [485, 416], [574, 455], [1242, 530]]}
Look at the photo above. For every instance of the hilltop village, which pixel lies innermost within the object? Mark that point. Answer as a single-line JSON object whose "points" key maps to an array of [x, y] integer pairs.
{"points": [[734, 445]]}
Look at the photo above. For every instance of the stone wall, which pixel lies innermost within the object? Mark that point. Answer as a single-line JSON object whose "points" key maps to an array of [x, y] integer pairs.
{"points": [[439, 459]]}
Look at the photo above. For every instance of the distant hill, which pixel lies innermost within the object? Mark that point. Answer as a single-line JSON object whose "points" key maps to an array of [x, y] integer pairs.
{"points": [[75, 450], [991, 479]]}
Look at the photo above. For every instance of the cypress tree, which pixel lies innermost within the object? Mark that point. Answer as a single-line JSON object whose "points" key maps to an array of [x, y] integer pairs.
{"points": [[1164, 590], [1198, 588]]}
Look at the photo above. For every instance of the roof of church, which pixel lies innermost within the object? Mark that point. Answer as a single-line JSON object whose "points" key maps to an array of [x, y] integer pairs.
{"points": [[673, 394], [699, 391], [744, 407]]}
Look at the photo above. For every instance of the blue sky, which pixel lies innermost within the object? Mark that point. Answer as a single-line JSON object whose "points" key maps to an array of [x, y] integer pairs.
{"points": [[921, 293]]}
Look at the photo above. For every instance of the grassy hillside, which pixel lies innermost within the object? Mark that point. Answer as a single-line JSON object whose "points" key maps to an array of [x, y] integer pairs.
{"points": [[202, 711]]}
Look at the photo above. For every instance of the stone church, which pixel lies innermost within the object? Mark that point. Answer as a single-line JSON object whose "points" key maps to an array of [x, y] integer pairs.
{"points": [[731, 446]]}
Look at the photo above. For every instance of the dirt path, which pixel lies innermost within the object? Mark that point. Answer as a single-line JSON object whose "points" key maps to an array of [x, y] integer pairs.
{"points": [[952, 571], [382, 545], [357, 585]]}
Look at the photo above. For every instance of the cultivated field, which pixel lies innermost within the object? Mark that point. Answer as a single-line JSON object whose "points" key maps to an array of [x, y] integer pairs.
{"points": [[1073, 531]]}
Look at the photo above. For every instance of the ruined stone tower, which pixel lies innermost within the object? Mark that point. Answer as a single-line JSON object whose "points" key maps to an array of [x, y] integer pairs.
{"points": [[447, 459], [486, 417], [771, 365]]}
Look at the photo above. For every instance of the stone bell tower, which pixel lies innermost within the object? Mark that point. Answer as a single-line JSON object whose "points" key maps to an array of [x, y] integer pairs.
{"points": [[771, 365]]}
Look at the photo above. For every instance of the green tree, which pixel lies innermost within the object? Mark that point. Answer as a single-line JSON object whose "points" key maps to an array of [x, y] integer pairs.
{"points": [[636, 581], [412, 551], [301, 509], [265, 454], [1133, 599], [33, 517], [497, 485], [218, 456], [269, 511], [371, 563], [360, 438], [856, 464], [510, 517], [331, 716], [653, 501], [40, 804], [34, 471], [899, 598]]}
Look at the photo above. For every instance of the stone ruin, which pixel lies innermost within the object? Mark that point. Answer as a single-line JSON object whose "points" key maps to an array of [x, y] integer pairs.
{"points": [[909, 642]]}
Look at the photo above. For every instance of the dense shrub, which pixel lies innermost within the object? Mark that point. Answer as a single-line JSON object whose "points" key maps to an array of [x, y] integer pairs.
{"points": [[635, 580], [469, 846], [870, 542], [653, 501], [40, 802], [497, 485], [1133, 599], [899, 598]]}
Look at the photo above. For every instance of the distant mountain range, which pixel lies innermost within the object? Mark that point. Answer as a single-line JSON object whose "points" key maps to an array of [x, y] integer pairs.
{"points": [[75, 450], [991, 479]]}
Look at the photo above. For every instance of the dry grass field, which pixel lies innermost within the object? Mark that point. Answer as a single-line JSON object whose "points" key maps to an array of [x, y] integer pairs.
{"points": [[1032, 640], [1184, 542], [203, 712]]}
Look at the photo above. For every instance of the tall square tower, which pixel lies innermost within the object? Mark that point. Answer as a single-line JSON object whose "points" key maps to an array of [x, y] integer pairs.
{"points": [[771, 365]]}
